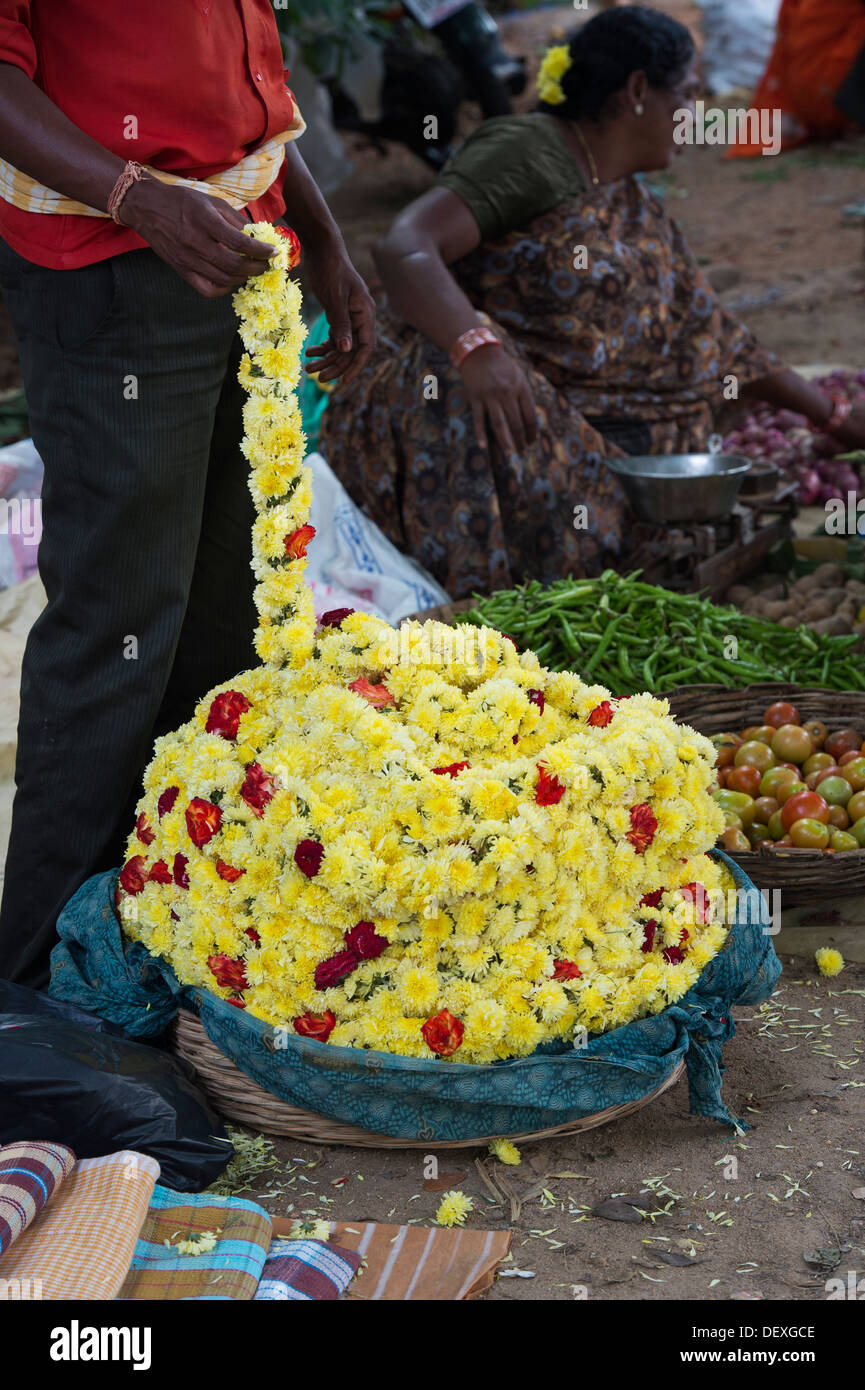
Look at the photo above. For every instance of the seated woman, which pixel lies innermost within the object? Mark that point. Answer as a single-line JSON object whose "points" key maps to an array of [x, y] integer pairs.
{"points": [[546, 315]]}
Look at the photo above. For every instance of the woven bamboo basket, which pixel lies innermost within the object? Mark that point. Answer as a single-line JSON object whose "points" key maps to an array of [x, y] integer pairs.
{"points": [[801, 875], [237, 1097]]}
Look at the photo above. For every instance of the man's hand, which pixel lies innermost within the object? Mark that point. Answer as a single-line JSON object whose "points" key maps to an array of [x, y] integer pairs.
{"points": [[200, 236], [350, 312]]}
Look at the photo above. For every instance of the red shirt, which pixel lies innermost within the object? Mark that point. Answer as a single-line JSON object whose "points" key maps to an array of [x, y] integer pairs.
{"points": [[204, 80]]}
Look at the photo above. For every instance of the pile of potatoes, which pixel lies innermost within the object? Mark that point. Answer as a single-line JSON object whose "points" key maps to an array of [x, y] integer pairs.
{"points": [[824, 601]]}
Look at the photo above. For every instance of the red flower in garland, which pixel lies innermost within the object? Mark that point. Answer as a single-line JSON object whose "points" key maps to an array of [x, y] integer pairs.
{"points": [[696, 893], [319, 1026], [567, 970], [508, 638], [308, 856], [364, 941], [644, 823], [167, 800], [258, 788], [329, 972], [143, 830], [443, 1033], [377, 695], [181, 877], [253, 935], [223, 717], [652, 899], [133, 875], [649, 929], [549, 790], [296, 543], [673, 955], [450, 770], [160, 873], [228, 973], [228, 871], [293, 245], [536, 697], [334, 617], [203, 819], [601, 715], [236, 1000]]}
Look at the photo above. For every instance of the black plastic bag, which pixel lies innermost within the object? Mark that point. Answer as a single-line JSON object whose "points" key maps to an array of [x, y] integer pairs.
{"points": [[68, 1083]]}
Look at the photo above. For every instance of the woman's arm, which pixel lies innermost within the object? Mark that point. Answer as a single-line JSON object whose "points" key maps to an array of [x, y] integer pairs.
{"points": [[786, 390], [413, 259]]}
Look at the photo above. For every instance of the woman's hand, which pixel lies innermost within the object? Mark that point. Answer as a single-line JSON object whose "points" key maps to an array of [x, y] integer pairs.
{"points": [[350, 311], [501, 400], [200, 236]]}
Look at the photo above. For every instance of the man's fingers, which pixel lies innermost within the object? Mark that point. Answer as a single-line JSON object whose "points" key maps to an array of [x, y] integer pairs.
{"points": [[224, 229], [511, 410], [206, 288]]}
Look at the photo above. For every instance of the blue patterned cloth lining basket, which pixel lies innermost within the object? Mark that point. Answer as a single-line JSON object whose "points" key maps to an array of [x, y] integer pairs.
{"points": [[410, 1098]]}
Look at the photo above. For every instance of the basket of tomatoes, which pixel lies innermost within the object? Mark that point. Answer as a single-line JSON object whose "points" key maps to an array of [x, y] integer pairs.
{"points": [[791, 783]]}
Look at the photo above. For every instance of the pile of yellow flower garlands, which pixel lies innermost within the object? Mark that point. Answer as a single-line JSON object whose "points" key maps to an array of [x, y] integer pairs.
{"points": [[418, 841]]}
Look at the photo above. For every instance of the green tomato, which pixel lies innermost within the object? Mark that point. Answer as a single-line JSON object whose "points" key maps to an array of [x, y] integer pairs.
{"points": [[836, 790], [840, 840], [776, 826], [858, 830], [739, 803]]}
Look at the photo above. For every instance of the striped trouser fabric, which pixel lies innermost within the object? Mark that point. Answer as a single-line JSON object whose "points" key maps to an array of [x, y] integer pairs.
{"points": [[145, 556]]}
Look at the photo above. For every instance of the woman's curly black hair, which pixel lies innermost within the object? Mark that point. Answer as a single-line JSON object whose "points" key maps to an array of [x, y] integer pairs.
{"points": [[606, 50]]}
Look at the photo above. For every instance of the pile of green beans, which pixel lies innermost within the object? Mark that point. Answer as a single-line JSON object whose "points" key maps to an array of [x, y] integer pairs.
{"points": [[629, 636]]}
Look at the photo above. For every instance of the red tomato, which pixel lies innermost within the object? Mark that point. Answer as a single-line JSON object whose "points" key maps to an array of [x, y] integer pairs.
{"points": [[838, 817], [817, 731], [782, 712], [745, 779], [850, 757], [843, 741], [804, 805], [764, 808]]}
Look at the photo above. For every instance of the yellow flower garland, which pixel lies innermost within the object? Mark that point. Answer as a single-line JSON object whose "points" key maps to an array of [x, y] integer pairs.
{"points": [[401, 841]]}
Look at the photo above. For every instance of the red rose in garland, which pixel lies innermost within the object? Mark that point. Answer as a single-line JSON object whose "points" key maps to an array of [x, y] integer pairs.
{"points": [[319, 1026], [166, 801], [649, 929], [294, 247], [308, 856], [228, 973], [334, 617], [133, 875], [144, 830], [296, 543], [363, 940], [443, 1033], [258, 788], [696, 894], [228, 872], [536, 697], [601, 715], [224, 714], [203, 820], [451, 770], [335, 968], [181, 877], [644, 823], [160, 873], [549, 790], [377, 695], [567, 970]]}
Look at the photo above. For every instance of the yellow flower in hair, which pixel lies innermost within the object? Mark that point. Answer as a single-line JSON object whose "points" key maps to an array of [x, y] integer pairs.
{"points": [[555, 64]]}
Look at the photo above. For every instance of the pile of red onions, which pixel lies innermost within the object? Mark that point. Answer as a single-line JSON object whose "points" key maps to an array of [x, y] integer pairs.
{"points": [[795, 446]]}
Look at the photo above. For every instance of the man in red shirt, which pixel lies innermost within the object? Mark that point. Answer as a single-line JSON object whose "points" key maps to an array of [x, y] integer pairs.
{"points": [[129, 353]]}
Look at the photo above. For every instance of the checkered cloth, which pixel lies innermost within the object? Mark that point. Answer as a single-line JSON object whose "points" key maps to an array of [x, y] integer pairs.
{"points": [[230, 1271], [308, 1270], [243, 183], [29, 1175], [81, 1245]]}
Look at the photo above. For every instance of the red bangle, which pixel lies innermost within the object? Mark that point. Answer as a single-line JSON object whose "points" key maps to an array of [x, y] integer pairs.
{"points": [[841, 411], [131, 174], [470, 341]]}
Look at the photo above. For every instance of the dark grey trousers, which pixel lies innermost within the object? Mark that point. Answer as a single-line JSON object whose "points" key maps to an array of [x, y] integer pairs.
{"points": [[145, 556]]}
